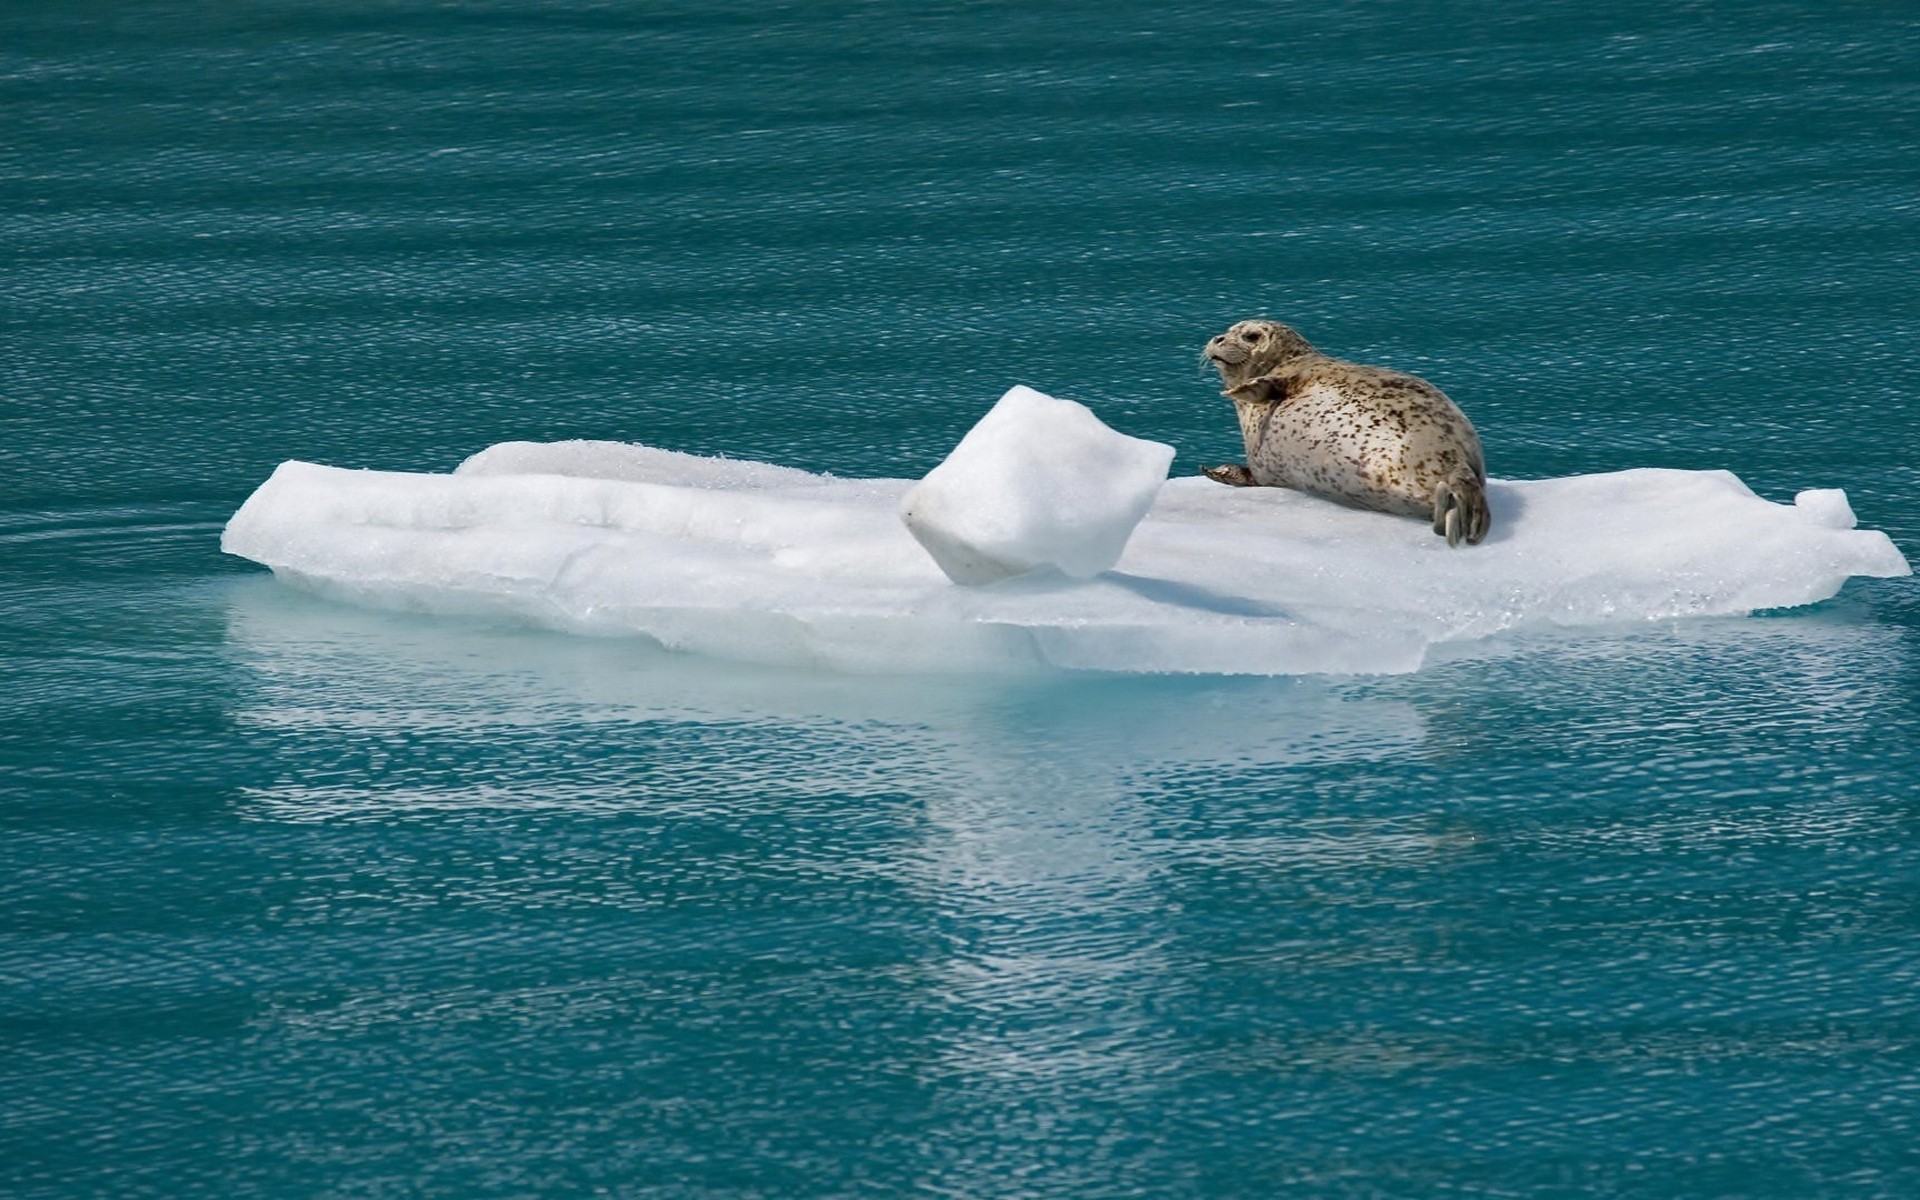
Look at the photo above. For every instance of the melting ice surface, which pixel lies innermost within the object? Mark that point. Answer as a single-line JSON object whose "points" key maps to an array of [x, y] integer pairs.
{"points": [[760, 563]]}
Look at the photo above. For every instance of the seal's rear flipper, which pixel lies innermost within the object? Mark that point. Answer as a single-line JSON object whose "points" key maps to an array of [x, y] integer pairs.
{"points": [[1460, 509], [1231, 474]]}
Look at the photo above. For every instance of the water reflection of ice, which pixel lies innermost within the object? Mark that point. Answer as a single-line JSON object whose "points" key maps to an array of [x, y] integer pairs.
{"points": [[1040, 836], [1031, 856]]}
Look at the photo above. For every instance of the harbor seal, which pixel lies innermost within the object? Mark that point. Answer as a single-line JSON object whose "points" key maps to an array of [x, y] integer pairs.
{"points": [[1365, 436]]}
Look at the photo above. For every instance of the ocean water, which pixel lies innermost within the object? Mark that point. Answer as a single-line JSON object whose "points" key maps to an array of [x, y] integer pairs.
{"points": [[298, 899]]}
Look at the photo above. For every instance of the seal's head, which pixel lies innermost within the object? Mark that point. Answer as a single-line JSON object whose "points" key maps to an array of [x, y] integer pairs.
{"points": [[1249, 349]]}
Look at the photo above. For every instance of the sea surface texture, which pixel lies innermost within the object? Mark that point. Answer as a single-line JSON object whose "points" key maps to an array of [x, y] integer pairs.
{"points": [[300, 899]]}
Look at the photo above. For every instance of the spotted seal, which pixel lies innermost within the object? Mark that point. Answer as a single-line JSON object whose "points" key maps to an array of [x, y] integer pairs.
{"points": [[1365, 436]]}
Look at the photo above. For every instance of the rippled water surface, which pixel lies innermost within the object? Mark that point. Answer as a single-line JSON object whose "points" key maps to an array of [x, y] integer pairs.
{"points": [[302, 900]]}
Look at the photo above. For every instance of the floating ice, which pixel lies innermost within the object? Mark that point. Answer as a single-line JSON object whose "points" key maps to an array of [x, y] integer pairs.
{"points": [[760, 563], [1039, 483]]}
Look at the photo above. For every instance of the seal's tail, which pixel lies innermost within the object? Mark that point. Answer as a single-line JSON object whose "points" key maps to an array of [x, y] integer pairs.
{"points": [[1460, 508]]}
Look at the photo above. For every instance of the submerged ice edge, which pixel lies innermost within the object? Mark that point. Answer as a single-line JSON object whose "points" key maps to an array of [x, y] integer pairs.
{"points": [[765, 564], [907, 643]]}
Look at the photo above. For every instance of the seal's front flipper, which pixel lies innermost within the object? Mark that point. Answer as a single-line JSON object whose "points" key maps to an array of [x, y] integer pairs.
{"points": [[1460, 509], [1231, 474], [1270, 388]]}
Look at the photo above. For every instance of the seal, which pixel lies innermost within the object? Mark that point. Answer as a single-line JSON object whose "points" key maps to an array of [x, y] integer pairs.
{"points": [[1365, 436]]}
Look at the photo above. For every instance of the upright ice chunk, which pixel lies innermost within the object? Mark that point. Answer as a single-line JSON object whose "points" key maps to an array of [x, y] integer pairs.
{"points": [[1038, 483], [1826, 506]]}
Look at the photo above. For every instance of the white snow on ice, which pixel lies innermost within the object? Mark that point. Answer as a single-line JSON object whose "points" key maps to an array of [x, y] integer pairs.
{"points": [[760, 563]]}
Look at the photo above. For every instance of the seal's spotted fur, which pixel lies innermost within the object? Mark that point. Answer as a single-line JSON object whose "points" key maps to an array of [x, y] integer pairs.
{"points": [[1364, 436]]}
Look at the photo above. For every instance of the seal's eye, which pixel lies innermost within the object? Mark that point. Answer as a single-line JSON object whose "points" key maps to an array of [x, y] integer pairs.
{"points": [[1250, 336]]}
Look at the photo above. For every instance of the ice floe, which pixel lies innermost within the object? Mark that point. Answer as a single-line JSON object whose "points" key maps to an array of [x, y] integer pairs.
{"points": [[761, 563]]}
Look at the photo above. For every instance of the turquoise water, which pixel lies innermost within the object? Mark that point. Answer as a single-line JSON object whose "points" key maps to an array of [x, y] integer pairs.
{"points": [[297, 899]]}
